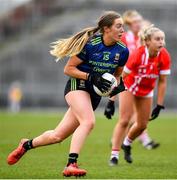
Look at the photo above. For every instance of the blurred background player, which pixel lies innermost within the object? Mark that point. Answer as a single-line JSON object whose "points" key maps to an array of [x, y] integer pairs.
{"points": [[91, 55], [145, 65], [15, 97], [134, 22]]}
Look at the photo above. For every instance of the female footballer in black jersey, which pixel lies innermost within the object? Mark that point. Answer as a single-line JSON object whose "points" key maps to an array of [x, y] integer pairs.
{"points": [[99, 44]]}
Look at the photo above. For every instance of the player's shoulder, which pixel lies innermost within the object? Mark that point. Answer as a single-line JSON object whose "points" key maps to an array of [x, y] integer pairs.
{"points": [[95, 40], [122, 47], [164, 52], [121, 44], [137, 54], [139, 51], [164, 56]]}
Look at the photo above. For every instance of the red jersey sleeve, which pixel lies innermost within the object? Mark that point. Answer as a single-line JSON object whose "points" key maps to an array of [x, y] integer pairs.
{"points": [[165, 62]]}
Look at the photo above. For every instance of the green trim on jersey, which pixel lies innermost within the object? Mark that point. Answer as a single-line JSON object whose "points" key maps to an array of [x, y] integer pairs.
{"points": [[73, 84], [96, 41], [121, 44]]}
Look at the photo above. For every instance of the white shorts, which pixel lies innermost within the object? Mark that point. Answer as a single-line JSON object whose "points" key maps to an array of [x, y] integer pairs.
{"points": [[151, 94]]}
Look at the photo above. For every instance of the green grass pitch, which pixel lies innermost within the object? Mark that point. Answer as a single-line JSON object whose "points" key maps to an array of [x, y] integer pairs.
{"points": [[48, 162]]}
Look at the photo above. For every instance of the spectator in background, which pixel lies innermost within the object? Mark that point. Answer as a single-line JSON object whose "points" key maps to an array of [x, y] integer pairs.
{"points": [[15, 97]]}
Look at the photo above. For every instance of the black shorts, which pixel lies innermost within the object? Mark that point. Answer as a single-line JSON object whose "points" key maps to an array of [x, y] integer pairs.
{"points": [[74, 84]]}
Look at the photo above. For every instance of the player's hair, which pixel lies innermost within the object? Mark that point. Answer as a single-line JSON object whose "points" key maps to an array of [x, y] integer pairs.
{"points": [[74, 44], [128, 15], [146, 32]]}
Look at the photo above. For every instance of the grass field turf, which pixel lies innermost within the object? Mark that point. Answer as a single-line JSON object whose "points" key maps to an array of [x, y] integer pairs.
{"points": [[48, 162]]}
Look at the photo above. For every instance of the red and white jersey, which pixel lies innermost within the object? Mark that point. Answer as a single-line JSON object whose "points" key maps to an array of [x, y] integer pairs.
{"points": [[143, 70], [131, 41]]}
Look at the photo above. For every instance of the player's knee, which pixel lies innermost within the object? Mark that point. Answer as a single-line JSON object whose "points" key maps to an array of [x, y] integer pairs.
{"points": [[124, 121], [89, 124], [124, 124]]}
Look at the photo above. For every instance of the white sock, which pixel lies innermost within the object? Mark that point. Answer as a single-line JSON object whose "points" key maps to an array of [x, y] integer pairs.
{"points": [[144, 138], [115, 153], [127, 141]]}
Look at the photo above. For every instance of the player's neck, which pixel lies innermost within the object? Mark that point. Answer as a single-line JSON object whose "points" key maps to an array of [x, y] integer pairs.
{"points": [[107, 41], [152, 53]]}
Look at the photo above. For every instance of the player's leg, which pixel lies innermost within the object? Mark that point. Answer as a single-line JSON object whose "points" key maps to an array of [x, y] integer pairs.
{"points": [[83, 110], [142, 108], [125, 113], [146, 140], [65, 128]]}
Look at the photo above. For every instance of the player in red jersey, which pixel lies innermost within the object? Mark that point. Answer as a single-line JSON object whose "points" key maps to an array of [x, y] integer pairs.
{"points": [[134, 22], [145, 65], [131, 38]]}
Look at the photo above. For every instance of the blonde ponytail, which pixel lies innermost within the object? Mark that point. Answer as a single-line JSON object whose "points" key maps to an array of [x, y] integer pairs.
{"points": [[73, 45]]}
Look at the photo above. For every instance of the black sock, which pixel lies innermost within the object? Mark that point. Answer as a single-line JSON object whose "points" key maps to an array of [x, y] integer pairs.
{"points": [[72, 158], [28, 145]]}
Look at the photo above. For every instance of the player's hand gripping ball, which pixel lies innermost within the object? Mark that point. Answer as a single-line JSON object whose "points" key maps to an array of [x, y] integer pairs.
{"points": [[109, 77]]}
